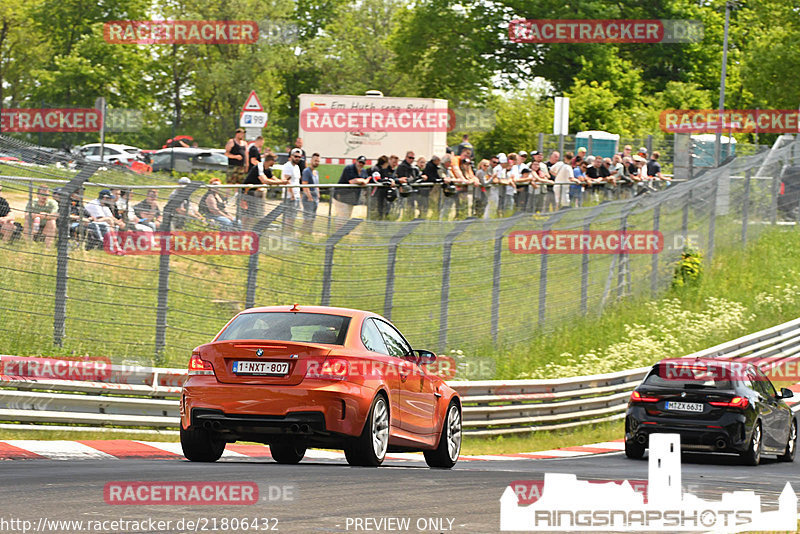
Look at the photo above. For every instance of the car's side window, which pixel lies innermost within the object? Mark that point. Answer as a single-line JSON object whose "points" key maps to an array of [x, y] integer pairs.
{"points": [[371, 337], [756, 383], [398, 347], [768, 388]]}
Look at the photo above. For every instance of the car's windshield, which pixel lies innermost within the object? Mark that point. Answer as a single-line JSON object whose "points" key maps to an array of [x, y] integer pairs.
{"points": [[288, 326]]}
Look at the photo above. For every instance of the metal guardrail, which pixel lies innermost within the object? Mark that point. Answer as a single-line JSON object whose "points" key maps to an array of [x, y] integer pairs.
{"points": [[146, 397]]}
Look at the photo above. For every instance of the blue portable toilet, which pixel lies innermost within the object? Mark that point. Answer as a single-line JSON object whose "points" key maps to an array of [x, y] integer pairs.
{"points": [[704, 149], [604, 144]]}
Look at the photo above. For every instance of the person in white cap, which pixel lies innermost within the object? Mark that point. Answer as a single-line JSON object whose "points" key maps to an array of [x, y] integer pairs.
{"points": [[499, 174]]}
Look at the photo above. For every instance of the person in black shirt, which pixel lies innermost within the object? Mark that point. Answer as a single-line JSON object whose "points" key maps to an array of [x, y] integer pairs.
{"points": [[381, 174], [345, 198], [235, 151], [253, 198], [598, 174], [302, 163]]}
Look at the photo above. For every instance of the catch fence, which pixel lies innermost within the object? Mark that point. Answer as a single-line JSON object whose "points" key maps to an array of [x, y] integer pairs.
{"points": [[447, 284]]}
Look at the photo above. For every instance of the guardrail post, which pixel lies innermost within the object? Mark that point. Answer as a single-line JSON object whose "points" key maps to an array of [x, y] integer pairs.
{"points": [[498, 258], [654, 260], [330, 246], [447, 249], [547, 226], [177, 199], [712, 219], [394, 242], [62, 251], [587, 226], [746, 206], [252, 267]]}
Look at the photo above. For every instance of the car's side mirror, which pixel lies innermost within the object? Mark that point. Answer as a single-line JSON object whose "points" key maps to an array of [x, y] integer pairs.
{"points": [[786, 393], [424, 357]]}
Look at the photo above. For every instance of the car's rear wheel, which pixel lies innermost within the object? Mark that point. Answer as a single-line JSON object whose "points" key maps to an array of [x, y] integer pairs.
{"points": [[752, 456], [369, 449], [200, 445], [791, 445], [633, 449], [446, 454], [287, 453]]}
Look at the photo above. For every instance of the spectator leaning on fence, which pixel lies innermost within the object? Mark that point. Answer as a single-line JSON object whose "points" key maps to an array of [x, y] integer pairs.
{"points": [[101, 219], [253, 198], [523, 182], [213, 206], [550, 195], [345, 198], [563, 176], [40, 216], [7, 226], [480, 194], [654, 167], [148, 211], [430, 175], [310, 195]]}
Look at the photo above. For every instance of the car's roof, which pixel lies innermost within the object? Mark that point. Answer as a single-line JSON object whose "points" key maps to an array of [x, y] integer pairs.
{"points": [[190, 150], [112, 145], [331, 310]]}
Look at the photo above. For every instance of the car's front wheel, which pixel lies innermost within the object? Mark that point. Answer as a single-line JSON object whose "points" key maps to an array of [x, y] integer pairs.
{"points": [[752, 456], [200, 445], [287, 453], [791, 445], [369, 449], [446, 454]]}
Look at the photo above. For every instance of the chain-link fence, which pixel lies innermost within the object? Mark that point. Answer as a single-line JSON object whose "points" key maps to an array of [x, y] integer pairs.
{"points": [[445, 283]]}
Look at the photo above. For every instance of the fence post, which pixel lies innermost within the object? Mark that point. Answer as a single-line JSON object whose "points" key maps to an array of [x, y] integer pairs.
{"points": [[447, 249], [624, 259], [649, 145], [541, 143], [712, 219], [587, 225], [561, 144], [589, 146], [547, 226], [394, 242], [62, 251], [685, 220], [746, 206], [330, 246], [177, 199], [498, 258], [252, 267], [773, 205], [654, 261]]}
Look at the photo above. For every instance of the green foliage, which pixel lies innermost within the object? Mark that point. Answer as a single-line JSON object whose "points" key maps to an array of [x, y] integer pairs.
{"points": [[689, 268]]}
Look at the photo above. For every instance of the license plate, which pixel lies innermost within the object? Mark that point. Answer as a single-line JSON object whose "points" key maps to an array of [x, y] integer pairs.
{"points": [[260, 368], [685, 406]]}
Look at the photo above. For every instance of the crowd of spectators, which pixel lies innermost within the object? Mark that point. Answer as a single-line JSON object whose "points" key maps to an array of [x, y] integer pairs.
{"points": [[498, 186], [414, 187]]}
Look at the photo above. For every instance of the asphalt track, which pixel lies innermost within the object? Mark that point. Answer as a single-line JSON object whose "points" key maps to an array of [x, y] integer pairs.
{"points": [[330, 496]]}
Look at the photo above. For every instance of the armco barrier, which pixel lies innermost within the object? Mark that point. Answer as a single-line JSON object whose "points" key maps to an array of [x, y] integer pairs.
{"points": [[146, 397]]}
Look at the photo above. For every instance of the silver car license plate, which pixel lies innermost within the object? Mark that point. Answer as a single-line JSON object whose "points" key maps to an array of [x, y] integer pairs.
{"points": [[260, 368], [685, 406]]}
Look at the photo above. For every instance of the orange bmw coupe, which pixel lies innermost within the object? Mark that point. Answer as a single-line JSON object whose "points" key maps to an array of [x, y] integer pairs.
{"points": [[315, 376]]}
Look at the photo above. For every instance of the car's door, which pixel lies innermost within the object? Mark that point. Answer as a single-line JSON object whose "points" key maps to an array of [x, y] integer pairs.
{"points": [[372, 339], [780, 415], [417, 400]]}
